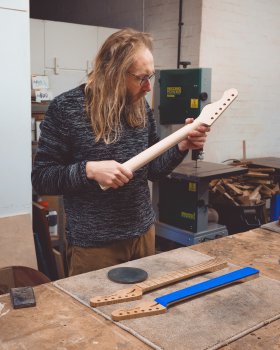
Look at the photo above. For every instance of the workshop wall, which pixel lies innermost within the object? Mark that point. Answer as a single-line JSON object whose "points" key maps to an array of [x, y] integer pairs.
{"points": [[162, 19], [16, 236], [52, 53], [239, 40], [15, 110]]}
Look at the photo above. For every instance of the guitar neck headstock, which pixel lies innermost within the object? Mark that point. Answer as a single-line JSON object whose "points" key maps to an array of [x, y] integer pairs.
{"points": [[212, 111]]}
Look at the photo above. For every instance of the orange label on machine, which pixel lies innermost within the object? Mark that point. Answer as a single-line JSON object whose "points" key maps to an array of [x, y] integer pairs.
{"points": [[194, 102]]}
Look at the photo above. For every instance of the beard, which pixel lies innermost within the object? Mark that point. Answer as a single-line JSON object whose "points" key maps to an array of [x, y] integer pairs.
{"points": [[135, 106], [133, 99]]}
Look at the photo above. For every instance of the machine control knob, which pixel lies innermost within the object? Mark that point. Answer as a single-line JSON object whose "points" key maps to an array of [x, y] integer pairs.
{"points": [[203, 96]]}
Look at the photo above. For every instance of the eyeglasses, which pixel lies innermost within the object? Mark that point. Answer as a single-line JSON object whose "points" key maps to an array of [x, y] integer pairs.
{"points": [[142, 79]]}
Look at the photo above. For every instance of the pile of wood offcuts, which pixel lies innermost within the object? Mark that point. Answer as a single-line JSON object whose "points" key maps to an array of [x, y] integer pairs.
{"points": [[251, 188]]}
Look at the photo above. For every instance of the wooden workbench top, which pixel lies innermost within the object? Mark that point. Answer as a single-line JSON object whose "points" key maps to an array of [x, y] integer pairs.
{"points": [[61, 322], [259, 248]]}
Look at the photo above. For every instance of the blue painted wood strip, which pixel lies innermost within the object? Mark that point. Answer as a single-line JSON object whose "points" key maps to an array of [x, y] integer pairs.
{"points": [[206, 286]]}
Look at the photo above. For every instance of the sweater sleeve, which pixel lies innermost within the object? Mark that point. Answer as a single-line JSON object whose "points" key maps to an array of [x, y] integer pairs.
{"points": [[166, 162], [53, 172]]}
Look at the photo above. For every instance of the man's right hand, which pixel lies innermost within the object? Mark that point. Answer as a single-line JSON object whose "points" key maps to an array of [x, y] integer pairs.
{"points": [[108, 173]]}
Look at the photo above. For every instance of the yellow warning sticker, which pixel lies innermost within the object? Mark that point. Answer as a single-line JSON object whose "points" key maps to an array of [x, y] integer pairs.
{"points": [[173, 91], [194, 102], [186, 215], [192, 186]]}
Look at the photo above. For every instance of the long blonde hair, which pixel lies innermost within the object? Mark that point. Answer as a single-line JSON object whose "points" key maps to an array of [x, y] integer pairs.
{"points": [[106, 92]]}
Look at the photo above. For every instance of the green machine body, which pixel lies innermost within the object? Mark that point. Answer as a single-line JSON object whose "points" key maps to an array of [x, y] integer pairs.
{"points": [[182, 93]]}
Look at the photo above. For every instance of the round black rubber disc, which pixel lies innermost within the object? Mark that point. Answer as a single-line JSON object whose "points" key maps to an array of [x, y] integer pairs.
{"points": [[127, 275]]}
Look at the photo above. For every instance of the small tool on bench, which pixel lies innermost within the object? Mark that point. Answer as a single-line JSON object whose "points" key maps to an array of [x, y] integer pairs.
{"points": [[135, 292], [127, 275], [22, 297], [159, 305]]}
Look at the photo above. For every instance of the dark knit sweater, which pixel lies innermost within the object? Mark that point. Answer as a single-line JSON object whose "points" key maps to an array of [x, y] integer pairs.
{"points": [[96, 217]]}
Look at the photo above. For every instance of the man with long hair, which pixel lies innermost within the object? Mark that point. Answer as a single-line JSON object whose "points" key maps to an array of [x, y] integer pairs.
{"points": [[87, 133]]}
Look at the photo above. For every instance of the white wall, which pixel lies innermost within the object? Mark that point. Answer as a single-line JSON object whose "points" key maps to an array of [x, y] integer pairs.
{"points": [[15, 136], [160, 20], [16, 235], [240, 41], [73, 46]]}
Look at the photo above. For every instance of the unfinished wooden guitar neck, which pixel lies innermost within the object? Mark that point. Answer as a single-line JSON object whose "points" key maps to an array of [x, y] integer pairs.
{"points": [[159, 305], [210, 113], [135, 292]]}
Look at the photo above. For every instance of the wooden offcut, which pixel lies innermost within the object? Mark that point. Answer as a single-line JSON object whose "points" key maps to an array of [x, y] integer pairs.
{"points": [[248, 189]]}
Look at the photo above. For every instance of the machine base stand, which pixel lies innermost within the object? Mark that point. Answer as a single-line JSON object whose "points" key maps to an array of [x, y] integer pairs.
{"points": [[187, 238]]}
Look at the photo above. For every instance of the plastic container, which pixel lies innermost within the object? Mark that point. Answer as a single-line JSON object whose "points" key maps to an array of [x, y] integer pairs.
{"points": [[275, 207], [52, 221], [241, 218]]}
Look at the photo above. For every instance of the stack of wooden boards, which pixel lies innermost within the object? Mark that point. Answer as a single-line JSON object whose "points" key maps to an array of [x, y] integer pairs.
{"points": [[248, 189]]}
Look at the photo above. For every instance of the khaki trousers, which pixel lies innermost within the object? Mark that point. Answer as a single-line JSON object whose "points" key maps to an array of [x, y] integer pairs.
{"points": [[81, 260]]}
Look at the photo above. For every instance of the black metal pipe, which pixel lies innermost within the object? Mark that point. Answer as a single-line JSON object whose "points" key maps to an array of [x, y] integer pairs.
{"points": [[180, 24]]}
